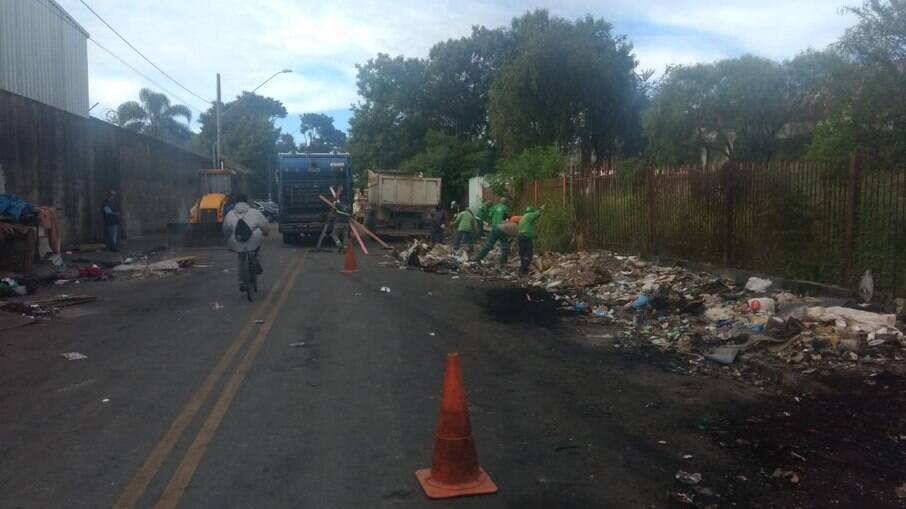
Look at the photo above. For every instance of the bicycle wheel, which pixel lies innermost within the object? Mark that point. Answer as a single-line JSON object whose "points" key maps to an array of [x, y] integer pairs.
{"points": [[249, 275], [253, 273]]}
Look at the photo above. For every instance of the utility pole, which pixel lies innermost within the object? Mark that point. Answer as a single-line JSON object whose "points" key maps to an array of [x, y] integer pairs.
{"points": [[217, 113]]}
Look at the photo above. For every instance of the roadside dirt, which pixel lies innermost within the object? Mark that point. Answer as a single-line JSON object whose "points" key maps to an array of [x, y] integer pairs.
{"points": [[826, 440]]}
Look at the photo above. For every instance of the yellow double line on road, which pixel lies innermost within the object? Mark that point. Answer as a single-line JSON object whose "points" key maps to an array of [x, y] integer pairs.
{"points": [[186, 469]]}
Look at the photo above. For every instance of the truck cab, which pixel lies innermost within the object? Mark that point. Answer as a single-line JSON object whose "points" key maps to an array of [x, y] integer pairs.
{"points": [[301, 179]]}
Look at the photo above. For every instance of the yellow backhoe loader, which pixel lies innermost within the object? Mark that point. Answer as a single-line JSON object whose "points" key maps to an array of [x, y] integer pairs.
{"points": [[206, 215]]}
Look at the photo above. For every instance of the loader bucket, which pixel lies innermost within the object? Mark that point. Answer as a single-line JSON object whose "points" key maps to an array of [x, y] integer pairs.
{"points": [[195, 235]]}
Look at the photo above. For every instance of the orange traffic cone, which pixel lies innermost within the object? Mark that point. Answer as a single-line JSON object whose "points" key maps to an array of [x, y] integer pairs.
{"points": [[454, 468], [351, 265]]}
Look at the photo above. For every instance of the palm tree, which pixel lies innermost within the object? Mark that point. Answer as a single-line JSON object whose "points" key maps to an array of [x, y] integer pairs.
{"points": [[155, 116]]}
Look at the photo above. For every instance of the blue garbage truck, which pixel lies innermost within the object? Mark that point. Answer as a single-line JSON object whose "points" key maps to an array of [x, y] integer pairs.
{"points": [[301, 178]]}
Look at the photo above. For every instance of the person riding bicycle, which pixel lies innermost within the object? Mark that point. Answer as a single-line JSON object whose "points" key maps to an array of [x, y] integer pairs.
{"points": [[244, 227]]}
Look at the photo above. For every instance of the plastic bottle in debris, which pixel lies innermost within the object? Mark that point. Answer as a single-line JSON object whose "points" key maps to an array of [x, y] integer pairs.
{"points": [[763, 305]]}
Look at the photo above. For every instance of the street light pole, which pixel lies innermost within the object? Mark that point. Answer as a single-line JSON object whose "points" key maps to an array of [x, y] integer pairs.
{"points": [[219, 110], [217, 113], [284, 71]]}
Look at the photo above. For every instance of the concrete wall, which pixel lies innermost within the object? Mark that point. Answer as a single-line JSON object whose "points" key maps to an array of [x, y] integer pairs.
{"points": [[51, 157], [44, 54]]}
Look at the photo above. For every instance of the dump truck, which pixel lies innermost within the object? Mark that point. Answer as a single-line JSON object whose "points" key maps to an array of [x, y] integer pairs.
{"points": [[301, 178], [399, 203]]}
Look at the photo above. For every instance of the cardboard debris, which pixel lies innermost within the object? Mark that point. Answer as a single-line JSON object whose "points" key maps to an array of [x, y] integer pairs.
{"points": [[156, 268]]}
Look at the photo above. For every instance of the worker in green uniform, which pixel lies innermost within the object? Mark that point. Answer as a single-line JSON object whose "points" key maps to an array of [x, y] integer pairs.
{"points": [[500, 212], [503, 233], [527, 236], [482, 215], [465, 229]]}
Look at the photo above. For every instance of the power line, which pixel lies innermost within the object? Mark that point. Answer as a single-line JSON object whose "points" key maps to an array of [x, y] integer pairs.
{"points": [[143, 75], [171, 78]]}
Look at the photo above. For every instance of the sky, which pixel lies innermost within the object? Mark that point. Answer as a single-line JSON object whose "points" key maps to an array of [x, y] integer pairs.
{"points": [[321, 42]]}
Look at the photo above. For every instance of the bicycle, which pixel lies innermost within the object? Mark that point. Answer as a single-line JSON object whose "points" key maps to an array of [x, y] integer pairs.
{"points": [[249, 260]]}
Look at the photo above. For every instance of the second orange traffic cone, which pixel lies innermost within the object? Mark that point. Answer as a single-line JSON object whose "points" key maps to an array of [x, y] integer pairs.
{"points": [[351, 265], [454, 468]]}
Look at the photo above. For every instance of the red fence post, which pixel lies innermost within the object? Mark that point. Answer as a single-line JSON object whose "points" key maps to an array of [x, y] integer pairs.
{"points": [[564, 191], [853, 199], [728, 181], [650, 219]]}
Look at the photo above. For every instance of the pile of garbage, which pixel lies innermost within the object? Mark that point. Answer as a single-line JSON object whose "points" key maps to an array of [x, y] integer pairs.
{"points": [[709, 318]]}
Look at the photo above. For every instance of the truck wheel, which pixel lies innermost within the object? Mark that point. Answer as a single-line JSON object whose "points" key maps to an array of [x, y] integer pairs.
{"points": [[290, 238]]}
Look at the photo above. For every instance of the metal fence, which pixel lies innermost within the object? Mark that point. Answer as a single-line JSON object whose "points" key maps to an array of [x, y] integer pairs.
{"points": [[821, 221]]}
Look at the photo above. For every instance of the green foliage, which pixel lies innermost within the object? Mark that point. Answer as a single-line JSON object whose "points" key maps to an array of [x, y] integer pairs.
{"points": [[389, 125], [155, 116], [248, 134], [286, 144], [834, 138], [870, 107], [473, 88], [555, 228], [531, 164], [454, 159], [734, 109], [571, 85], [320, 134]]}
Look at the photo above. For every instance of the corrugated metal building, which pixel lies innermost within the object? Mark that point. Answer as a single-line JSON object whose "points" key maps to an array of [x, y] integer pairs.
{"points": [[44, 54]]}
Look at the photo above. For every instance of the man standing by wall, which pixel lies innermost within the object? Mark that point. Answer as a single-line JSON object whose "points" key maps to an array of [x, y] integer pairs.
{"points": [[111, 221], [438, 223]]}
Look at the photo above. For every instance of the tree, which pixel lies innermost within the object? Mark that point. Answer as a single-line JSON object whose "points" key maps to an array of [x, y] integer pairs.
{"points": [[459, 76], [248, 135], [320, 133], [870, 107], [745, 108], [155, 116], [533, 163], [405, 98], [453, 158], [286, 144], [571, 85], [389, 124]]}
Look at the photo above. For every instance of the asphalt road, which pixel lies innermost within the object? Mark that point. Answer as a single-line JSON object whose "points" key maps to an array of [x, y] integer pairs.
{"points": [[186, 400]]}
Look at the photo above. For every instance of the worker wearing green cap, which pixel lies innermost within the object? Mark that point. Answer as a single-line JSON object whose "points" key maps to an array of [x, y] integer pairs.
{"points": [[500, 212], [526, 239]]}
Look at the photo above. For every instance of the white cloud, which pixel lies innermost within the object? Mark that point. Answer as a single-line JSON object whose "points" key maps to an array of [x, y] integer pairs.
{"points": [[247, 41]]}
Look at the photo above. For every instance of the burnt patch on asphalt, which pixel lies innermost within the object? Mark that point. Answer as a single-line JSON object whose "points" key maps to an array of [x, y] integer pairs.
{"points": [[531, 306], [842, 449]]}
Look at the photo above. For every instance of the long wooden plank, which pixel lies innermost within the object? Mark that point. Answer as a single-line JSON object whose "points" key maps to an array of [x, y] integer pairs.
{"points": [[359, 225]]}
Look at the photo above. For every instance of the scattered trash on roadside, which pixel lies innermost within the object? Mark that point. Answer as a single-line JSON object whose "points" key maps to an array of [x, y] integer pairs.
{"points": [[900, 491], [157, 269], [716, 324], [789, 475], [688, 478], [758, 285], [9, 287], [682, 498], [73, 356]]}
